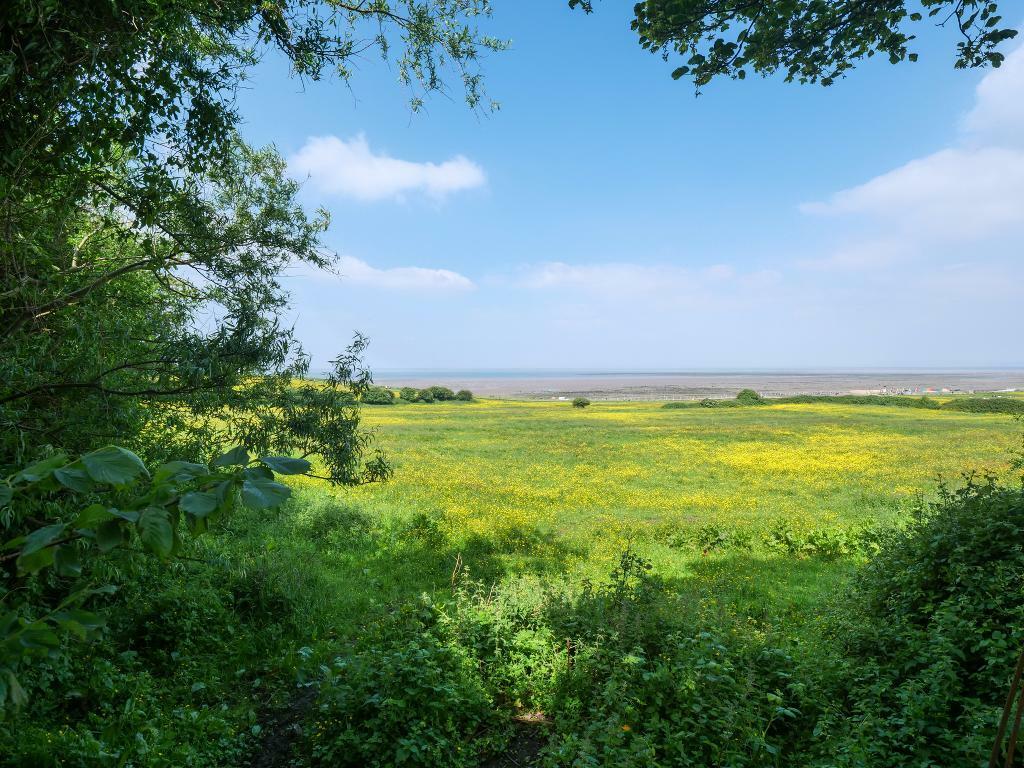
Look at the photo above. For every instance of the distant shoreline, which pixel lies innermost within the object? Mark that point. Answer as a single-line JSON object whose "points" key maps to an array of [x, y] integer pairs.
{"points": [[695, 385]]}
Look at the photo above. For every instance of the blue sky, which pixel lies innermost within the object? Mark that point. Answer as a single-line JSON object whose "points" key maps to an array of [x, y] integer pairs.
{"points": [[607, 218]]}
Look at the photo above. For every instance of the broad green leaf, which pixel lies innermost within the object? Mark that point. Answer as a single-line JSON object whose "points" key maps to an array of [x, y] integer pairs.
{"points": [[6, 494], [109, 535], [92, 516], [14, 690], [180, 470], [41, 469], [66, 561], [125, 514], [237, 456], [36, 561], [73, 476], [38, 636], [41, 538], [260, 493], [198, 503], [155, 531], [113, 465], [286, 465]]}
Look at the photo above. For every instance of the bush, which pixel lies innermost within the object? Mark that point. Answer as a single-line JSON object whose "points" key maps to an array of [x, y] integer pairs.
{"points": [[986, 405], [930, 635], [749, 397], [378, 396], [580, 402], [409, 394], [643, 690], [464, 395], [425, 396], [441, 393], [407, 696]]}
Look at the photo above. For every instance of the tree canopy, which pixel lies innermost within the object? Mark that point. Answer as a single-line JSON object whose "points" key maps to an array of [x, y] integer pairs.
{"points": [[810, 41]]}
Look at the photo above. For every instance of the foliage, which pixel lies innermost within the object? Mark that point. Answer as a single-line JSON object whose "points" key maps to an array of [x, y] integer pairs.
{"points": [[464, 395], [580, 402], [407, 695], [378, 396], [130, 506], [930, 635], [408, 394], [809, 41], [425, 396], [749, 397], [441, 393]]}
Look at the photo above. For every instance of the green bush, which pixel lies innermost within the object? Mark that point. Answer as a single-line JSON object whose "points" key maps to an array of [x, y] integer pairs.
{"points": [[425, 396], [580, 402], [441, 393], [407, 695], [464, 395], [378, 396], [749, 397], [409, 394], [986, 405], [643, 690], [930, 635]]}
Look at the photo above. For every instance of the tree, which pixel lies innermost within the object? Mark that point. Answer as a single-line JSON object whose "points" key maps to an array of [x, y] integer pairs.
{"points": [[580, 402], [141, 240], [811, 41]]}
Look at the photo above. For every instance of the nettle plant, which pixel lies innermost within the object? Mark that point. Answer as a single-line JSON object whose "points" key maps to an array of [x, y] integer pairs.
{"points": [[121, 504]]}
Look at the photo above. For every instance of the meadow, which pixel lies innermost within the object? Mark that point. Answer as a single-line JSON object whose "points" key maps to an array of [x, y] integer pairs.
{"points": [[514, 487], [546, 585]]}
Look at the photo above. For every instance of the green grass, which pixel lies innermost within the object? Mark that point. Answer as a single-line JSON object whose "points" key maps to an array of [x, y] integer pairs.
{"points": [[520, 490]]}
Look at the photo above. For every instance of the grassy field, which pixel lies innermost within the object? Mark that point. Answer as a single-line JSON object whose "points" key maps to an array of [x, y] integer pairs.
{"points": [[521, 490]]}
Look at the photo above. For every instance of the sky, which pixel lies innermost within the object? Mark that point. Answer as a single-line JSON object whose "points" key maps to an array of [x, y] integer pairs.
{"points": [[607, 218]]}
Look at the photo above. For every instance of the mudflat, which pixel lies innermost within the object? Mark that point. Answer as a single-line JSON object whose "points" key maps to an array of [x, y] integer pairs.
{"points": [[672, 385]]}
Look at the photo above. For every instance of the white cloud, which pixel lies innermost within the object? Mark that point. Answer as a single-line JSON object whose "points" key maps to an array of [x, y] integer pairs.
{"points": [[335, 166], [423, 280], [416, 279], [969, 191], [953, 192], [998, 113]]}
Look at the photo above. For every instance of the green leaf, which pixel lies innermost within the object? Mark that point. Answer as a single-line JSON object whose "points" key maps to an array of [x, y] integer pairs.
{"points": [[39, 636], [113, 465], [36, 561], [237, 456], [198, 503], [66, 561], [41, 538], [177, 471], [155, 531], [92, 516], [109, 535], [260, 493], [14, 690], [73, 476], [6, 494], [286, 465], [41, 470]]}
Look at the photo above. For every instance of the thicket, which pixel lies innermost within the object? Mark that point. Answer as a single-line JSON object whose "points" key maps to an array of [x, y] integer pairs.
{"points": [[378, 396]]}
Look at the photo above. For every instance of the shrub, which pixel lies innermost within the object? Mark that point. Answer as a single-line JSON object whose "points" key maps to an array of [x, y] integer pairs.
{"points": [[986, 405], [425, 396], [930, 634], [580, 402], [749, 397], [378, 396], [441, 393], [409, 394], [464, 394], [407, 695], [643, 690]]}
